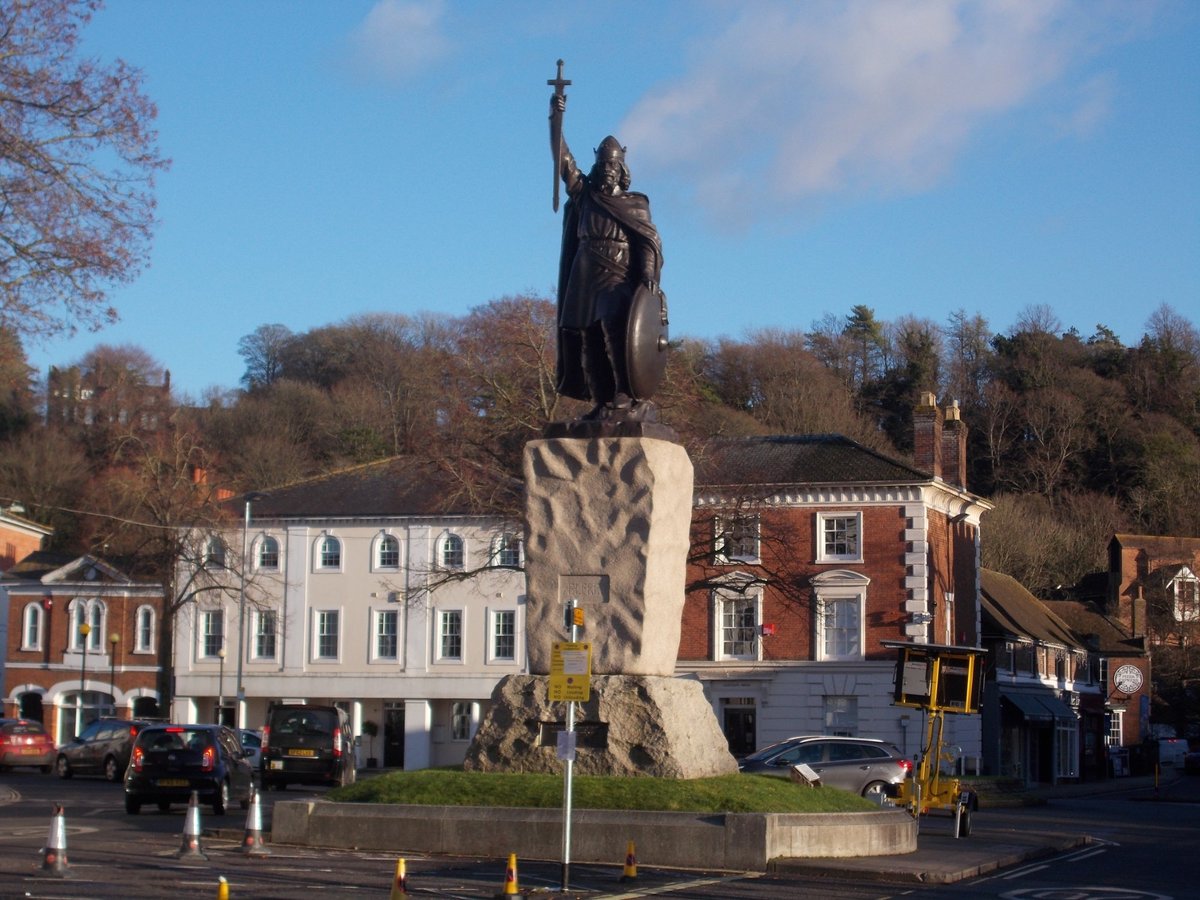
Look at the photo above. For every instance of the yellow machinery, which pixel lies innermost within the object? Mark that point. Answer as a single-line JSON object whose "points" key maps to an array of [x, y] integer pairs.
{"points": [[938, 679]]}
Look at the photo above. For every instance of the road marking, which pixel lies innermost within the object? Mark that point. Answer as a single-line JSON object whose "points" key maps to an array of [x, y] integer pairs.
{"points": [[1079, 857], [34, 830], [1020, 873], [681, 886]]}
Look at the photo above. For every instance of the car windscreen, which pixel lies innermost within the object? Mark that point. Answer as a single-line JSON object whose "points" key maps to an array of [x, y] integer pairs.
{"points": [[182, 739], [307, 722]]}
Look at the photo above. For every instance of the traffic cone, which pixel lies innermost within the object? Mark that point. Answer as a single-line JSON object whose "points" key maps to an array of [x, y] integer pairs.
{"points": [[399, 882], [54, 854], [189, 848], [252, 843], [222, 888], [629, 873], [510, 879]]}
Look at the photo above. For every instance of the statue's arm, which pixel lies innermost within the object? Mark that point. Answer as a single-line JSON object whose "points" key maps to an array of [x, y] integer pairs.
{"points": [[567, 168]]}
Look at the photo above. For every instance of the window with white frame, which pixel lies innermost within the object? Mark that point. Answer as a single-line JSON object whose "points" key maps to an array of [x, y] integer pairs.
{"points": [[387, 552], [1113, 736], [460, 722], [506, 550], [839, 600], [31, 627], [1066, 748], [737, 613], [326, 633], [329, 553], [143, 630], [1185, 588], [503, 635], [214, 553], [736, 539], [840, 715], [266, 627], [268, 553], [450, 634], [212, 633], [91, 613], [387, 634], [451, 552], [839, 537]]}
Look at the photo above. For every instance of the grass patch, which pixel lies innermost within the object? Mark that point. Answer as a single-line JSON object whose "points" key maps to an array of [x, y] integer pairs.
{"points": [[728, 793]]}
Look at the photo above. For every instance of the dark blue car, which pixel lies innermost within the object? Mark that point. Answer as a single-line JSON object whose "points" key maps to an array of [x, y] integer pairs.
{"points": [[171, 761]]}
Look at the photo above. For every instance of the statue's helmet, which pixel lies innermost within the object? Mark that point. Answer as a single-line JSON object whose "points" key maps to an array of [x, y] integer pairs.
{"points": [[610, 148]]}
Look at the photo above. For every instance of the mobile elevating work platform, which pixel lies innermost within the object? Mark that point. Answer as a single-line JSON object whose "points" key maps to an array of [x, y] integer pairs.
{"points": [[938, 679]]}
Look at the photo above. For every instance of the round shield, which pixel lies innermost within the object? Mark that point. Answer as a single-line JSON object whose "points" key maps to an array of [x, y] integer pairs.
{"points": [[646, 342]]}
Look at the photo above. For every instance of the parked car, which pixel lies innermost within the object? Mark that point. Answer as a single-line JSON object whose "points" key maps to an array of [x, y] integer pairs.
{"points": [[252, 741], [306, 744], [171, 761], [102, 748], [1191, 759], [24, 742], [866, 766]]}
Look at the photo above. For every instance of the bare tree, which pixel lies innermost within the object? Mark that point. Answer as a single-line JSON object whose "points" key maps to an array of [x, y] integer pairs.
{"points": [[77, 163]]}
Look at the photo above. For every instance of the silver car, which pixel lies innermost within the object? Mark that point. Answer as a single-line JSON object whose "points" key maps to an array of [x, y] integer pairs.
{"points": [[865, 766]]}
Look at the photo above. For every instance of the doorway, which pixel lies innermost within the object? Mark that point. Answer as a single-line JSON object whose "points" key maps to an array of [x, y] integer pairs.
{"points": [[393, 735], [738, 725]]}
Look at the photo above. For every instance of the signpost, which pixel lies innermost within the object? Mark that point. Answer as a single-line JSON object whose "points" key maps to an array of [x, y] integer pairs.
{"points": [[570, 681]]}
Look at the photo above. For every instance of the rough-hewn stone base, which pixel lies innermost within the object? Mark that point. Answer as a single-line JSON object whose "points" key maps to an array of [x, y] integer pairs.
{"points": [[650, 725]]}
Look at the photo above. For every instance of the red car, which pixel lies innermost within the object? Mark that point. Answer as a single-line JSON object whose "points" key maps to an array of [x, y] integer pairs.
{"points": [[23, 742]]}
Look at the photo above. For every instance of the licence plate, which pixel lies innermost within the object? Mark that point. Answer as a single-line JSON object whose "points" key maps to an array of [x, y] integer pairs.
{"points": [[172, 782], [30, 751], [299, 751], [276, 763]]}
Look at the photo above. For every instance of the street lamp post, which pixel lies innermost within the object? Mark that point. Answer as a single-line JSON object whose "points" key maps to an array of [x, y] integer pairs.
{"points": [[113, 640], [241, 688], [84, 630], [221, 688]]}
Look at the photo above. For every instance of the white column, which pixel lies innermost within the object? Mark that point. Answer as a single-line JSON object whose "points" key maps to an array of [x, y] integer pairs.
{"points": [[418, 734]]}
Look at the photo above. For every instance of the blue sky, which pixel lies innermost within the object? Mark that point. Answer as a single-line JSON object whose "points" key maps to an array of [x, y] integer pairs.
{"points": [[337, 157]]}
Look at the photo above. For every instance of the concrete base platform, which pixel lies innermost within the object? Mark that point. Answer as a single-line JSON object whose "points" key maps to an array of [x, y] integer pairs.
{"points": [[744, 842]]}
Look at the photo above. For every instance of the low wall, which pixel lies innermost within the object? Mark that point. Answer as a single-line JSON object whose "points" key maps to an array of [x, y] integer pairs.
{"points": [[732, 841]]}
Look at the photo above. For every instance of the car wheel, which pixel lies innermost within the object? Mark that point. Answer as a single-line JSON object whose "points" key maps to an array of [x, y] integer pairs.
{"points": [[63, 767], [221, 801], [110, 769], [876, 791], [133, 807], [164, 806]]}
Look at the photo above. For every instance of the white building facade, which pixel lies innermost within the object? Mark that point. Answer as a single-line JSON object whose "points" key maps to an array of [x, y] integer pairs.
{"points": [[405, 617]]}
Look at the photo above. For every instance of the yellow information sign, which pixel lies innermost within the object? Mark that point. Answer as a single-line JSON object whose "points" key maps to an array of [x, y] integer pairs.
{"points": [[570, 671]]}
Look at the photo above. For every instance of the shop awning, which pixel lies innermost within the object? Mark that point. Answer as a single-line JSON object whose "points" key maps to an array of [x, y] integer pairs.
{"points": [[1039, 707]]}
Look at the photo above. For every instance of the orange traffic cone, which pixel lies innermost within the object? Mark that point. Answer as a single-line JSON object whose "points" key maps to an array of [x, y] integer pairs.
{"points": [[252, 843], [189, 847], [629, 873], [399, 882], [222, 888], [510, 879], [54, 854]]}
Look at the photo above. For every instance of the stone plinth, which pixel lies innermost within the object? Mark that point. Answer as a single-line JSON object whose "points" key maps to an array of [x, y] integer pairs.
{"points": [[631, 725], [608, 524]]}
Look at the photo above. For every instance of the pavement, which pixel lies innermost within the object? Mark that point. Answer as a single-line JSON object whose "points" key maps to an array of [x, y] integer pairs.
{"points": [[940, 858]]}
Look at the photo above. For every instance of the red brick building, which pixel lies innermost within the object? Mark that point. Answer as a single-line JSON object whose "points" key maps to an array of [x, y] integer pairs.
{"points": [[808, 552], [19, 536], [54, 672]]}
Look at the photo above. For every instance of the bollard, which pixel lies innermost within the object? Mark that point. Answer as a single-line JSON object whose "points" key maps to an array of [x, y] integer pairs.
{"points": [[222, 888], [54, 854], [189, 847], [629, 873]]}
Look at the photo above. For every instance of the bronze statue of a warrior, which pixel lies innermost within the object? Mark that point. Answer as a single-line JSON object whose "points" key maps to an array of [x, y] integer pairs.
{"points": [[612, 314]]}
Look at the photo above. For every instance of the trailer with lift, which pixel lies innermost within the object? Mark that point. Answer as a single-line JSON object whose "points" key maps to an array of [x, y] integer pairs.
{"points": [[940, 680]]}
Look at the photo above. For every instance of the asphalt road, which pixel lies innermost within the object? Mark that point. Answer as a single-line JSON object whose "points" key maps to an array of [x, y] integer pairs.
{"points": [[1142, 848]]}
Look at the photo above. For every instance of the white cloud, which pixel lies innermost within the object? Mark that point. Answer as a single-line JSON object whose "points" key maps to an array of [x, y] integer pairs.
{"points": [[797, 102], [398, 39]]}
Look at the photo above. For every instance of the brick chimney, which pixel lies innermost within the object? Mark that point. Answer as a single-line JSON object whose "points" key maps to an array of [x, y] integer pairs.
{"points": [[927, 434], [954, 447]]}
